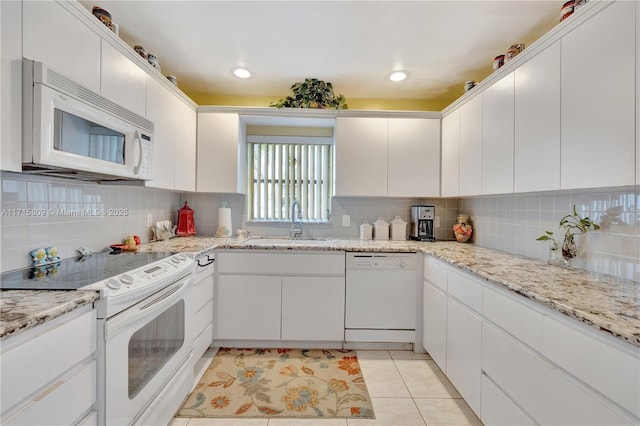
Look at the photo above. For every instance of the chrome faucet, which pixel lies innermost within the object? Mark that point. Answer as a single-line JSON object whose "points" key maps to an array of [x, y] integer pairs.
{"points": [[295, 232]]}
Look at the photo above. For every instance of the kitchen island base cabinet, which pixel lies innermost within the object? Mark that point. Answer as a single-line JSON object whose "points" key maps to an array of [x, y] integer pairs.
{"points": [[294, 298]]}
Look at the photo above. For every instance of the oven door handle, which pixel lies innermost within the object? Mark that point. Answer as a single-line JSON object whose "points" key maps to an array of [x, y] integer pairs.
{"points": [[148, 308]]}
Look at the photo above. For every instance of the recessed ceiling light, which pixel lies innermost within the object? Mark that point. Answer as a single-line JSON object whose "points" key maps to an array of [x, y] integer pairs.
{"points": [[398, 75], [241, 73]]}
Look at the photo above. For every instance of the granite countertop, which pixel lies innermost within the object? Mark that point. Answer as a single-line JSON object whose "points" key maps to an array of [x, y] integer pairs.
{"points": [[606, 303], [24, 309]]}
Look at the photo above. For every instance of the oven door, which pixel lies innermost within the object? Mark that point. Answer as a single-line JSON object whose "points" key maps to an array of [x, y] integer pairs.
{"points": [[145, 346]]}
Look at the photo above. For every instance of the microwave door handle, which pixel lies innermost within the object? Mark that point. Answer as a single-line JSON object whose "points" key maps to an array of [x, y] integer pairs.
{"points": [[138, 139]]}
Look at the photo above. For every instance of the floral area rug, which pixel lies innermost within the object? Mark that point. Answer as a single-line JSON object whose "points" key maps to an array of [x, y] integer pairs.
{"points": [[280, 383]]}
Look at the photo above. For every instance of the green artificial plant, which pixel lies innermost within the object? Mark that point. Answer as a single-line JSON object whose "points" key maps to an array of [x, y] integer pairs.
{"points": [[312, 93]]}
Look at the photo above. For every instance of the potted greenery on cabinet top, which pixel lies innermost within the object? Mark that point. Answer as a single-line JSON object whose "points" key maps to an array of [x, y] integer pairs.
{"points": [[312, 93]]}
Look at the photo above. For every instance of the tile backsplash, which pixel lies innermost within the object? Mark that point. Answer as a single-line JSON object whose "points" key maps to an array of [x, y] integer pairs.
{"points": [[41, 211], [358, 209], [513, 222]]}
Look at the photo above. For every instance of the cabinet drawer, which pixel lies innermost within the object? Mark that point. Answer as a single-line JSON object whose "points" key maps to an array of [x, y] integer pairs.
{"points": [[498, 409], [201, 294], [299, 263], [202, 342], [62, 403], [202, 318], [544, 393], [465, 289], [513, 316], [608, 369], [435, 272], [52, 349]]}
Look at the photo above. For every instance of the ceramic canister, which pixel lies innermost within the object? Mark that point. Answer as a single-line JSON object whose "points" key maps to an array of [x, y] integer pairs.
{"points": [[366, 231], [398, 229], [381, 229]]}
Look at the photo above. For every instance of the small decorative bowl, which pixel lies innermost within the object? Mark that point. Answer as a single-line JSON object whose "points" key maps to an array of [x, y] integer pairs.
{"points": [[104, 16]]}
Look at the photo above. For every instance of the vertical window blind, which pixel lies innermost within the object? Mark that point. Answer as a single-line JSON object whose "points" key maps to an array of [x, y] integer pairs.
{"points": [[279, 173]]}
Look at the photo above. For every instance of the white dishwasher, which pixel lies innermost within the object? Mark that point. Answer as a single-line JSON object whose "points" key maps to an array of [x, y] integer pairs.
{"points": [[381, 297]]}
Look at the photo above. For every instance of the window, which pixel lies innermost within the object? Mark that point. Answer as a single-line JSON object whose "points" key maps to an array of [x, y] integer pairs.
{"points": [[286, 168]]}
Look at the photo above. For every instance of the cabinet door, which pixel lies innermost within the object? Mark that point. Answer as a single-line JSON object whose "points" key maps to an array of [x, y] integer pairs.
{"points": [[219, 160], [361, 156], [183, 134], [413, 158], [123, 81], [54, 36], [434, 324], [451, 154], [159, 104], [598, 105], [313, 308], [10, 86], [497, 137], [537, 122], [248, 307], [464, 331], [471, 147]]}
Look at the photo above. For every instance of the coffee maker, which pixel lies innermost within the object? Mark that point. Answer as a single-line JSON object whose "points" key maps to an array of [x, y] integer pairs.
{"points": [[422, 218]]}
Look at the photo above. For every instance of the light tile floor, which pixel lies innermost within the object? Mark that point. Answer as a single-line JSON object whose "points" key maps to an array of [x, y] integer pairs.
{"points": [[406, 389]]}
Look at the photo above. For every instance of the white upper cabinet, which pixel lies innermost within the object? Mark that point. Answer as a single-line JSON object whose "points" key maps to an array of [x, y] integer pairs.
{"points": [[123, 81], [471, 147], [52, 35], [10, 86], [159, 112], [598, 107], [413, 158], [395, 157], [451, 154], [221, 153], [361, 156], [184, 137], [537, 122], [174, 139], [497, 137]]}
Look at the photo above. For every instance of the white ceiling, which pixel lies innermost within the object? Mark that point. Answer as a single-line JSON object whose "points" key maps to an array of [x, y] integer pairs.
{"points": [[353, 44]]}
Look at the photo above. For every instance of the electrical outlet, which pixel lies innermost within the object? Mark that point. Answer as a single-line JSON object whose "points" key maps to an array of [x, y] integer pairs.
{"points": [[436, 222], [346, 220], [149, 219]]}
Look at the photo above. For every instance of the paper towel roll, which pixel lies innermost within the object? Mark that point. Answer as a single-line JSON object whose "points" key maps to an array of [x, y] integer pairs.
{"points": [[224, 222]]}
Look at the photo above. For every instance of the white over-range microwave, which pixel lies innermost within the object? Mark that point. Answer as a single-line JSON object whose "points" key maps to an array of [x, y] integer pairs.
{"points": [[73, 132]]}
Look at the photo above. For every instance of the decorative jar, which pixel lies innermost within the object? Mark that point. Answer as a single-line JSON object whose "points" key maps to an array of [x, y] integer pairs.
{"points": [[462, 229]]}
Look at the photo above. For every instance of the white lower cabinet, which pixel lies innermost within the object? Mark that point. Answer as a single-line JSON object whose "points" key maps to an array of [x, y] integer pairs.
{"points": [[516, 362], [434, 329], [464, 333], [313, 308], [202, 302], [267, 296], [48, 373], [249, 307]]}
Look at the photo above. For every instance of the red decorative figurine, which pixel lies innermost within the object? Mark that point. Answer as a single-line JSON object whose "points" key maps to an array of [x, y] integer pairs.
{"points": [[186, 226]]}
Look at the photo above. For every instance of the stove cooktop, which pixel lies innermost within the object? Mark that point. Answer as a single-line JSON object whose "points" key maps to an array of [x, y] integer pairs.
{"points": [[72, 274]]}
